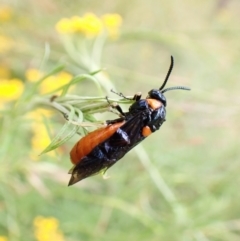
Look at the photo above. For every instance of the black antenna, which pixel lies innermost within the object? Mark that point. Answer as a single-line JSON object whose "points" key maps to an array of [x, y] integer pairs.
{"points": [[176, 88], [168, 74]]}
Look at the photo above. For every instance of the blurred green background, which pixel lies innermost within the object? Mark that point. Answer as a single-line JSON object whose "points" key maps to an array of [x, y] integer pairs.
{"points": [[182, 183]]}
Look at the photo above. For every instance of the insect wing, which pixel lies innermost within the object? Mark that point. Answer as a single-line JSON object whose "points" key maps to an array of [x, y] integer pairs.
{"points": [[107, 153], [129, 133]]}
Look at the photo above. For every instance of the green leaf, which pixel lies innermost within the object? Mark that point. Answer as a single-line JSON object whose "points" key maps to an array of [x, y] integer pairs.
{"points": [[66, 132], [79, 78]]}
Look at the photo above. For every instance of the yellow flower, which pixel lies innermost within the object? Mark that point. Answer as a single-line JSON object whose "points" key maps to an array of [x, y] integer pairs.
{"points": [[65, 26], [5, 13], [112, 23], [6, 43], [112, 20], [77, 24], [48, 223], [38, 114], [10, 89], [3, 238], [54, 82], [51, 83], [40, 138], [91, 25], [47, 229], [33, 74]]}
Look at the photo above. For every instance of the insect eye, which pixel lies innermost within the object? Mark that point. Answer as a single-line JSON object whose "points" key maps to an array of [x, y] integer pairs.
{"points": [[157, 95], [153, 93]]}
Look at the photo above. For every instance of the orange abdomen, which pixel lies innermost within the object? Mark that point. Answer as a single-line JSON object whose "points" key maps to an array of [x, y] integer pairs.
{"points": [[86, 144]]}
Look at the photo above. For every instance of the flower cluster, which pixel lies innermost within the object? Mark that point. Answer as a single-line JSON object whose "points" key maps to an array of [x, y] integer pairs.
{"points": [[40, 136], [47, 229], [11, 89], [90, 25], [50, 84]]}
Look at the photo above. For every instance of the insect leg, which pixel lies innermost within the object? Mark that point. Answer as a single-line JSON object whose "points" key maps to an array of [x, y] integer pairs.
{"points": [[121, 95], [116, 106], [136, 97]]}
